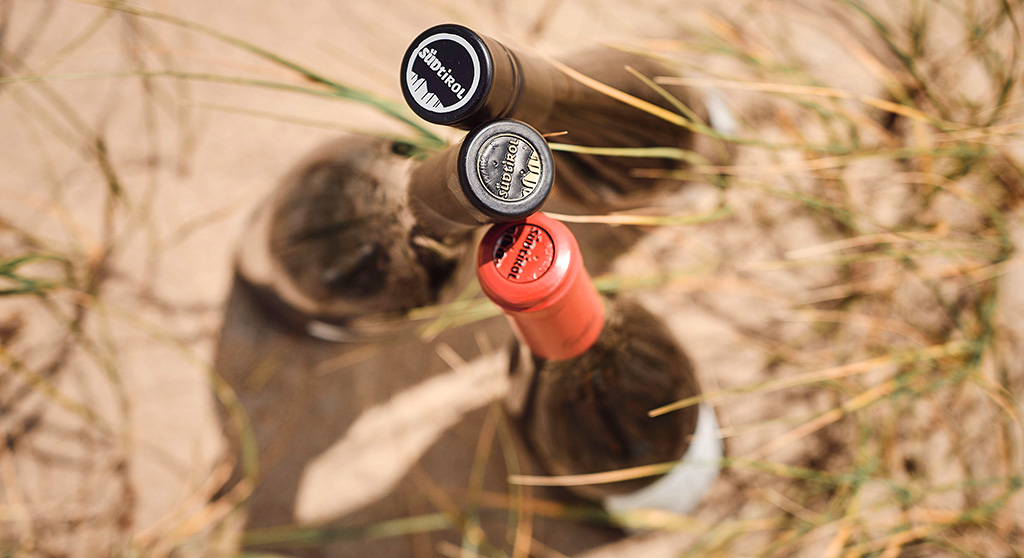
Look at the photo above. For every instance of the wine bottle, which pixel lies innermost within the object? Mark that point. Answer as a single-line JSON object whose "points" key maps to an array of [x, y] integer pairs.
{"points": [[454, 76], [587, 370], [356, 235]]}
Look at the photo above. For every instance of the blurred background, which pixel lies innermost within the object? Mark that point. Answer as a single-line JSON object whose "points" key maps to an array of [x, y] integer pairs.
{"points": [[848, 287]]}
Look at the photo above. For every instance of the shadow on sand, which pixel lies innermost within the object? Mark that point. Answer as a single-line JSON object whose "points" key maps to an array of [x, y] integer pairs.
{"points": [[304, 397]]}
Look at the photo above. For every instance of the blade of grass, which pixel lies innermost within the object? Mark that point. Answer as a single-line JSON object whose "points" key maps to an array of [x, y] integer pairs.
{"points": [[305, 536], [646, 220], [952, 348]]}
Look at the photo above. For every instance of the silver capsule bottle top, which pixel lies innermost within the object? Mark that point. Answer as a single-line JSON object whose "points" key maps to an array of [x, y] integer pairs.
{"points": [[506, 169]]}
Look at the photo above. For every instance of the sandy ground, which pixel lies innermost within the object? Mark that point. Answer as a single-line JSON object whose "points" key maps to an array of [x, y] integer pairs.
{"points": [[192, 166], [146, 183]]}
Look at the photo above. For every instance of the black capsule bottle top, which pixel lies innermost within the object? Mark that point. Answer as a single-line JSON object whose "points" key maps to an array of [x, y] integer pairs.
{"points": [[505, 170], [447, 74]]}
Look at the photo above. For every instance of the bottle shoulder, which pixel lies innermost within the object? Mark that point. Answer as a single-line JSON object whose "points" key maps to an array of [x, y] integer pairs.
{"points": [[335, 241], [634, 348], [588, 414]]}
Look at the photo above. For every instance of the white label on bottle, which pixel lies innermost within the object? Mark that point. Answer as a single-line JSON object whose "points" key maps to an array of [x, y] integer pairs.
{"points": [[682, 488], [443, 74]]}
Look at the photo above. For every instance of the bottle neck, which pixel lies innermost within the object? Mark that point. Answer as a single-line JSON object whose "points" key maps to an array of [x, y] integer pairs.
{"points": [[436, 199], [501, 171], [530, 89], [561, 331], [533, 270], [523, 87]]}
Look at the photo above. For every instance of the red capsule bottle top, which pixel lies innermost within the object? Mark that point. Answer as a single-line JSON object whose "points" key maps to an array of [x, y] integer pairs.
{"points": [[534, 271]]}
